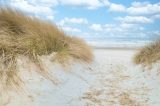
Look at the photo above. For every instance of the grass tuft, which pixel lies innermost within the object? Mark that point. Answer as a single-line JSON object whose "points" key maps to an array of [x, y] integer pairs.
{"points": [[148, 55], [32, 37]]}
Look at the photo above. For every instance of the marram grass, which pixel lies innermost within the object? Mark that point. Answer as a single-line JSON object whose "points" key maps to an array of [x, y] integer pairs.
{"points": [[21, 35], [148, 55]]}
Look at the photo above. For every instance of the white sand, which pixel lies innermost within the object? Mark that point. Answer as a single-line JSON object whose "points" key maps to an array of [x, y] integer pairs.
{"points": [[112, 80]]}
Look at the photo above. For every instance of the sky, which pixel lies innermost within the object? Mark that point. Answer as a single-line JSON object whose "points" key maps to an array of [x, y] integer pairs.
{"points": [[99, 22]]}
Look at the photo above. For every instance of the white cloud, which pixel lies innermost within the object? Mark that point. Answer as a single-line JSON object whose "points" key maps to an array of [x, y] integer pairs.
{"points": [[106, 2], [91, 4], [136, 8], [113, 28], [114, 7], [157, 16], [126, 25], [49, 3], [96, 27], [39, 8], [117, 7], [71, 30], [144, 8], [36, 6], [50, 17], [117, 30], [135, 19], [73, 21]]}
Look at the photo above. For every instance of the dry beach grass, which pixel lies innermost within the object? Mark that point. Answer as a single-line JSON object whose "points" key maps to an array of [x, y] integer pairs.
{"points": [[21, 35], [148, 55]]}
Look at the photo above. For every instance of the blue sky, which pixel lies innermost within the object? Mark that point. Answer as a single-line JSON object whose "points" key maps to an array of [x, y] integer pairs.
{"points": [[98, 21]]}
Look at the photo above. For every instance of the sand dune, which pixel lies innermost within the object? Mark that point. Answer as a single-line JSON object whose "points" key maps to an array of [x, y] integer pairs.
{"points": [[111, 80]]}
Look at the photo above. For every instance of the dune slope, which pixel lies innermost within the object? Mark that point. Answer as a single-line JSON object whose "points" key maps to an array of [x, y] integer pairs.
{"points": [[21, 35]]}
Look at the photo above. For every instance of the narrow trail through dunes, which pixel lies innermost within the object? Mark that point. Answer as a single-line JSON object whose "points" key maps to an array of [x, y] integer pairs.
{"points": [[111, 80]]}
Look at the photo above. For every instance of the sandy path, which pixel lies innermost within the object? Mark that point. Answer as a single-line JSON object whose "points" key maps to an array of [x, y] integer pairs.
{"points": [[112, 80]]}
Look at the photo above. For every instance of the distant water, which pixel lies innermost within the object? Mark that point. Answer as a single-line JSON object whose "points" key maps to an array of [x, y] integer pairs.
{"points": [[118, 41], [99, 41], [127, 44]]}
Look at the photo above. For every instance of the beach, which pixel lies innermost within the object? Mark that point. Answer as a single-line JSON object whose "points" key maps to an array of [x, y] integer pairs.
{"points": [[112, 79]]}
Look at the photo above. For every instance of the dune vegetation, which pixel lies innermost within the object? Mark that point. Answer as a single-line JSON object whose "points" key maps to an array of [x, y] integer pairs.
{"points": [[21, 35], [148, 55]]}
